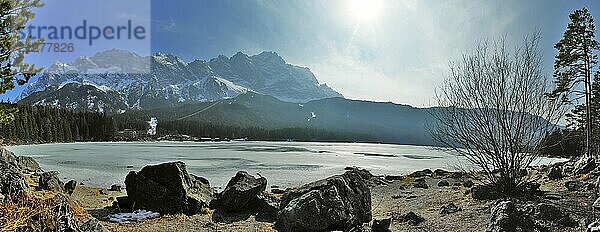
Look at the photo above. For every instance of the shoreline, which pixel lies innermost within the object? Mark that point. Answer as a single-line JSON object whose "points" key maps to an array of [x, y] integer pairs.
{"points": [[284, 163], [423, 200]]}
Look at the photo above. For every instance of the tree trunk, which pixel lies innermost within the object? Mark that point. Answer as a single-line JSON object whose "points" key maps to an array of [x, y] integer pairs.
{"points": [[588, 109]]}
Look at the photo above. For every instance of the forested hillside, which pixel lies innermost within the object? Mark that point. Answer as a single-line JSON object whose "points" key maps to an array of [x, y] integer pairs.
{"points": [[46, 124]]}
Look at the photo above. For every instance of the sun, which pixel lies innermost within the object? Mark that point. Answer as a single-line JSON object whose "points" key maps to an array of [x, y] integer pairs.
{"points": [[365, 10]]}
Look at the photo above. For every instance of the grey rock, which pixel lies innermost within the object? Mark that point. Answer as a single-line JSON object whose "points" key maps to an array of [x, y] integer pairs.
{"points": [[423, 173], [93, 225], [381, 224], [70, 186], [241, 190], [277, 191], [12, 181], [50, 181], [596, 204], [167, 188], [555, 173], [468, 183], [443, 183], [393, 178], [531, 187], [123, 204], [420, 184], [28, 164], [266, 207], [506, 217], [63, 211], [449, 208], [597, 186], [576, 185], [335, 203], [585, 166], [116, 188], [549, 212], [441, 173], [594, 227], [410, 217], [7, 156], [456, 175]]}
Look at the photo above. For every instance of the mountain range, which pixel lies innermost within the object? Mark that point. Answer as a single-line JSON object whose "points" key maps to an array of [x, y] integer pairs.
{"points": [[116, 81]]}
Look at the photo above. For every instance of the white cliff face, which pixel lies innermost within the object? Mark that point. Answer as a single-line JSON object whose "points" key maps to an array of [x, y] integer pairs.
{"points": [[165, 80]]}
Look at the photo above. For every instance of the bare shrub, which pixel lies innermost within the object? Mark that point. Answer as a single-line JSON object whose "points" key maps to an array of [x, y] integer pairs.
{"points": [[494, 110]]}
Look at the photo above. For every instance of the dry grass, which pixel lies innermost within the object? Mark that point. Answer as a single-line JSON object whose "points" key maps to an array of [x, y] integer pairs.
{"points": [[27, 213], [35, 212], [407, 180], [586, 177], [266, 228]]}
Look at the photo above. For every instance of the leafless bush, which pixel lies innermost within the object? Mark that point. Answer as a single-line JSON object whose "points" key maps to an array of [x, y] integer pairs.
{"points": [[494, 110]]}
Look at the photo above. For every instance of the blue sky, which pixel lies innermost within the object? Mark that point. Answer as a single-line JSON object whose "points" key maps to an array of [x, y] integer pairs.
{"points": [[381, 50]]}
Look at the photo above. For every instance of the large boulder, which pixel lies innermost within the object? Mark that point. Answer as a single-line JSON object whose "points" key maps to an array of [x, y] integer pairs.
{"points": [[7, 156], [50, 181], [28, 164], [507, 217], [167, 188], [511, 216], [12, 182], [335, 203], [240, 191]]}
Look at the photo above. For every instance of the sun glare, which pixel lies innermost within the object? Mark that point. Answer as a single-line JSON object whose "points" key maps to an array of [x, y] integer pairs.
{"points": [[365, 10]]}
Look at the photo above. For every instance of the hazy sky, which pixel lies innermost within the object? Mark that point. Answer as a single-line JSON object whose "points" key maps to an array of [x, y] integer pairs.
{"points": [[382, 50]]}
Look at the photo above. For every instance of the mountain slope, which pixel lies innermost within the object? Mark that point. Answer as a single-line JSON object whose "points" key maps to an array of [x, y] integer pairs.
{"points": [[164, 80], [387, 122], [78, 97]]}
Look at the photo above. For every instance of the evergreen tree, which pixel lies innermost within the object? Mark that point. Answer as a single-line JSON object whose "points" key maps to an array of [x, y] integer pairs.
{"points": [[14, 15], [574, 66]]}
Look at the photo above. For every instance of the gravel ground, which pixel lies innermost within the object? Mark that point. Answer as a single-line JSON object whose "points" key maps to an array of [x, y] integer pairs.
{"points": [[394, 199]]}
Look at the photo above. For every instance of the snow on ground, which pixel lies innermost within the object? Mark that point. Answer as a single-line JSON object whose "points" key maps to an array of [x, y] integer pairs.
{"points": [[137, 215]]}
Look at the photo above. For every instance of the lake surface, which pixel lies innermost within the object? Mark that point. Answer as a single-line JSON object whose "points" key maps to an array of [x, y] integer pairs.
{"points": [[286, 164]]}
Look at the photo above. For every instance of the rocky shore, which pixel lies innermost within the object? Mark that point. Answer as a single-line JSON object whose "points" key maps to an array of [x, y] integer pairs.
{"points": [[166, 197]]}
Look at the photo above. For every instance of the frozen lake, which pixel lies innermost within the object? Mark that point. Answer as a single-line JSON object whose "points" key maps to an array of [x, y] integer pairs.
{"points": [[286, 164]]}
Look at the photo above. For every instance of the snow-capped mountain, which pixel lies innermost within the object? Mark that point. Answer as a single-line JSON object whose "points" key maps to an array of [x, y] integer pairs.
{"points": [[135, 82]]}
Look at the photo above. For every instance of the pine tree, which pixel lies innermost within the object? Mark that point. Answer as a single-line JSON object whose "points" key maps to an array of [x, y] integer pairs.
{"points": [[574, 64], [14, 15]]}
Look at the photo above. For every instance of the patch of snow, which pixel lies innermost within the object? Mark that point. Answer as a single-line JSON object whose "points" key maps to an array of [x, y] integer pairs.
{"points": [[137, 215]]}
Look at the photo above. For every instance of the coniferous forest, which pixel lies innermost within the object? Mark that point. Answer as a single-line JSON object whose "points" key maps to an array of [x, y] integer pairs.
{"points": [[47, 124]]}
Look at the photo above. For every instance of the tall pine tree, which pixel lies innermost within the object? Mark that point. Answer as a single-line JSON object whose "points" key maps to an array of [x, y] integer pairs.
{"points": [[574, 65]]}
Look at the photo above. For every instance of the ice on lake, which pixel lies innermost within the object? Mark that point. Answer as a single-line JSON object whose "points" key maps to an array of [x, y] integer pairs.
{"points": [[285, 164]]}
